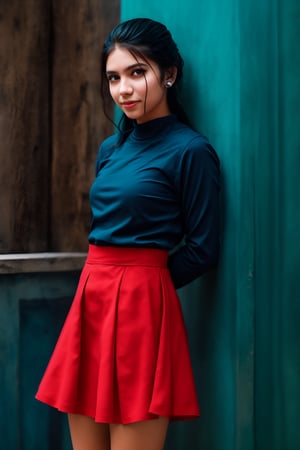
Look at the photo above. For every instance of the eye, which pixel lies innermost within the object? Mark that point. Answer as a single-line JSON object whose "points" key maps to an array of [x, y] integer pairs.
{"points": [[112, 77], [138, 72]]}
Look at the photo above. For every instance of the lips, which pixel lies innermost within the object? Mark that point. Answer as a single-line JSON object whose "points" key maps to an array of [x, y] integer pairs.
{"points": [[129, 105]]}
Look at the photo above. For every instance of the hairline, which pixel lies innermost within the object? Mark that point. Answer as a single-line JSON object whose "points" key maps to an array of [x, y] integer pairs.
{"points": [[136, 51]]}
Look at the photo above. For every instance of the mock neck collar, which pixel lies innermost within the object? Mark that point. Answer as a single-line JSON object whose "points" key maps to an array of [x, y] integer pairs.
{"points": [[153, 127]]}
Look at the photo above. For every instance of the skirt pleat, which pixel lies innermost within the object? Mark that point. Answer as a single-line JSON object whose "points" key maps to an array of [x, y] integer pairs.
{"points": [[122, 355]]}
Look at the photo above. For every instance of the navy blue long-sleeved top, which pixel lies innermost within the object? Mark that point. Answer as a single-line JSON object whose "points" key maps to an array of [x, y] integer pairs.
{"points": [[158, 189]]}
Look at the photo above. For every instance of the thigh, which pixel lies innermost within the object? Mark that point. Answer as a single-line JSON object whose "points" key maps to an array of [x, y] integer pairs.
{"points": [[87, 434], [146, 435]]}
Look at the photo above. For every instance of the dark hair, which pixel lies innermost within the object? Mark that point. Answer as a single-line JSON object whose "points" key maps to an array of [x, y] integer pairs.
{"points": [[148, 39]]}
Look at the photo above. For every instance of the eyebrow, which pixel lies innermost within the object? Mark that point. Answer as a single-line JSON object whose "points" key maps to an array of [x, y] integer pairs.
{"points": [[132, 66]]}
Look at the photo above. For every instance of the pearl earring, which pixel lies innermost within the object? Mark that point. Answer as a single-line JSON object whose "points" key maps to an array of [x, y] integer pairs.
{"points": [[168, 84]]}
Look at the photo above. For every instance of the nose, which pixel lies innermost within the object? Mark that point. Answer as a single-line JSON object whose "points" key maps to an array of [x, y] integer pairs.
{"points": [[125, 87]]}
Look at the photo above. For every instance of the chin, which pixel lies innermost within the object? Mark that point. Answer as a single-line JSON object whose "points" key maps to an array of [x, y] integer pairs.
{"points": [[136, 117]]}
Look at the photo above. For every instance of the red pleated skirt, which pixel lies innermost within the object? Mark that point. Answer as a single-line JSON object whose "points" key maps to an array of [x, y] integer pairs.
{"points": [[122, 355]]}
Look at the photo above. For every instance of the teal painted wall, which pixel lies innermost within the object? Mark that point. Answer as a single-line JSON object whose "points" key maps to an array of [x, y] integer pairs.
{"points": [[242, 90], [33, 307]]}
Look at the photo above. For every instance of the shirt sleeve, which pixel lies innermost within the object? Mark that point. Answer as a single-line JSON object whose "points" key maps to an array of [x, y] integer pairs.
{"points": [[198, 184]]}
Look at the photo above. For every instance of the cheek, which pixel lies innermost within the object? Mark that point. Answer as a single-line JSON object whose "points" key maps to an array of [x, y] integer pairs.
{"points": [[112, 90], [155, 93], [155, 87]]}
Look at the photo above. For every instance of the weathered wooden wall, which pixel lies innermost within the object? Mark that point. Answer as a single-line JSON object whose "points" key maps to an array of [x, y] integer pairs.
{"points": [[24, 125], [78, 123], [51, 119]]}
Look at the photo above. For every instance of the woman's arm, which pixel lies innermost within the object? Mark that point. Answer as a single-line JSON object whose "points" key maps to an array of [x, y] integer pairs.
{"points": [[198, 184]]}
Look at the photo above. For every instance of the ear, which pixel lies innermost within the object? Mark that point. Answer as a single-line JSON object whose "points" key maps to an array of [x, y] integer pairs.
{"points": [[170, 75]]}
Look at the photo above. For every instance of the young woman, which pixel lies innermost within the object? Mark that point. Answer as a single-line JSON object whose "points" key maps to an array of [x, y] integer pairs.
{"points": [[121, 368]]}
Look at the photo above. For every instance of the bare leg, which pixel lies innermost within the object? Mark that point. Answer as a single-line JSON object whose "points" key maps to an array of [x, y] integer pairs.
{"points": [[146, 435], [88, 435]]}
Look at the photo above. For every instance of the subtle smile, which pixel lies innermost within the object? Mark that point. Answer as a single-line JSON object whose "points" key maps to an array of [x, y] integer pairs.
{"points": [[129, 104]]}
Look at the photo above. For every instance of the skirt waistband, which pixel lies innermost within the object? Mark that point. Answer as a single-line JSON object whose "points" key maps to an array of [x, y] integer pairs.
{"points": [[127, 256]]}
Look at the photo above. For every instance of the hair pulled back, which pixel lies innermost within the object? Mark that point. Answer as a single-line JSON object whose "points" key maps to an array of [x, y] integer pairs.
{"points": [[147, 39]]}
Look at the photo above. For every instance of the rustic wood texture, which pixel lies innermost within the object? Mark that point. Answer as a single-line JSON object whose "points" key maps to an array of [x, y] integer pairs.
{"points": [[78, 122], [24, 131], [51, 120], [41, 262]]}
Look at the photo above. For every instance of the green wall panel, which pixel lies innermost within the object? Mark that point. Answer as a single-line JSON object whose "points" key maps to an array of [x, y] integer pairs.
{"points": [[208, 36], [33, 308], [242, 89], [277, 219]]}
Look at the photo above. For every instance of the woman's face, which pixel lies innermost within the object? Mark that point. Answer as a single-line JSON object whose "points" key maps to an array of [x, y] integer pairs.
{"points": [[135, 85]]}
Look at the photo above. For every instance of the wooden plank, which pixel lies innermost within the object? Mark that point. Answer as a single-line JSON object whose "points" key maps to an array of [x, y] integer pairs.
{"points": [[24, 132], [41, 262], [78, 123]]}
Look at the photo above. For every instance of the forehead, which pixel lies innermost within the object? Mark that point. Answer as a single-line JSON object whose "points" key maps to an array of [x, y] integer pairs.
{"points": [[121, 58]]}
